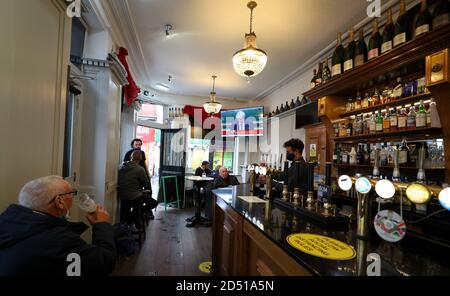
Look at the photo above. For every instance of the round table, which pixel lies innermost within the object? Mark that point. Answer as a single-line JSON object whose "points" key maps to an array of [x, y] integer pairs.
{"points": [[197, 218]]}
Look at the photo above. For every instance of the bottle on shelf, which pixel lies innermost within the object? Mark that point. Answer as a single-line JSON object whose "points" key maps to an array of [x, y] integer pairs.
{"points": [[360, 155], [337, 154], [411, 121], [314, 79], [402, 118], [379, 123], [360, 50], [403, 154], [350, 52], [397, 92], [388, 34], [352, 156], [344, 157], [292, 105], [435, 120], [349, 105], [384, 155], [375, 98], [366, 129], [358, 102], [319, 79], [373, 148], [277, 111], [374, 49], [386, 121], [421, 85], [367, 155], [441, 14], [424, 20], [401, 26], [282, 109], [394, 120], [391, 154], [337, 61], [326, 72], [366, 101], [373, 123], [421, 116], [349, 128]]}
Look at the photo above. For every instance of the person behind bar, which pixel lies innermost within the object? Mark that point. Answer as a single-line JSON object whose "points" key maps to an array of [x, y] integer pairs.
{"points": [[37, 239], [294, 152]]}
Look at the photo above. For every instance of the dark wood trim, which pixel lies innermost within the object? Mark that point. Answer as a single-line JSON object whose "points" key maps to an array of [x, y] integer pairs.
{"points": [[422, 133]]}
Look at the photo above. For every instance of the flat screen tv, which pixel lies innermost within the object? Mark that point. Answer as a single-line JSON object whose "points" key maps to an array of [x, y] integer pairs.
{"points": [[243, 122], [306, 115]]}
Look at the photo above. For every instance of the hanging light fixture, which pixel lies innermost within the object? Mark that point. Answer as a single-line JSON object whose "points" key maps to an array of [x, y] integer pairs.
{"points": [[213, 107], [250, 61]]}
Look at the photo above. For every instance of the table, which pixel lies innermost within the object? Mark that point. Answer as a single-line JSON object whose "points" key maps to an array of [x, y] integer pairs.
{"points": [[197, 218]]}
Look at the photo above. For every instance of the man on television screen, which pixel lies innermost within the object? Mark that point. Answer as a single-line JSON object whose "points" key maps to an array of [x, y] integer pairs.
{"points": [[241, 123]]}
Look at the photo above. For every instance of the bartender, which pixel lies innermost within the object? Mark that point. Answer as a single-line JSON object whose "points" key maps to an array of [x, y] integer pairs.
{"points": [[294, 153]]}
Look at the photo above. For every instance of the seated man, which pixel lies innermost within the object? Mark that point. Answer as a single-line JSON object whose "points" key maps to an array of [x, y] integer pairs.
{"points": [[224, 179], [132, 182], [199, 194], [36, 239], [203, 169]]}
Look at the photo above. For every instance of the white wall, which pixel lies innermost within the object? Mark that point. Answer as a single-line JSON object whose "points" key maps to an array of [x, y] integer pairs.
{"points": [[34, 54]]}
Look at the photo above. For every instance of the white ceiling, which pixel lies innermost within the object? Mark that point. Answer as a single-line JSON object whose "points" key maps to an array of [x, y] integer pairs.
{"points": [[208, 32]]}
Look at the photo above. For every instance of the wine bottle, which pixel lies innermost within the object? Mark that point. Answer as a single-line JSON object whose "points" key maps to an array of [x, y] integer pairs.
{"points": [[337, 61], [402, 26], [421, 116], [379, 122], [361, 50], [441, 14], [423, 22], [326, 72], [388, 34], [350, 51], [374, 42], [319, 75], [314, 79], [403, 154]]}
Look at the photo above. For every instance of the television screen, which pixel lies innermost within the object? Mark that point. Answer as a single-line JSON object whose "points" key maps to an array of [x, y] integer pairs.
{"points": [[243, 122], [306, 115]]}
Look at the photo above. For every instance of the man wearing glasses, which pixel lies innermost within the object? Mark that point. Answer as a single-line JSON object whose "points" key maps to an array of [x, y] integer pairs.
{"points": [[36, 238]]}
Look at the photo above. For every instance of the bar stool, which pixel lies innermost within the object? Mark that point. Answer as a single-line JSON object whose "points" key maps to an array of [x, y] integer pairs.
{"points": [[134, 211], [163, 185]]}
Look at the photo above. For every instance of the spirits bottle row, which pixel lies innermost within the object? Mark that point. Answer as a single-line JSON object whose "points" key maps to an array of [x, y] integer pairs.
{"points": [[175, 112], [389, 94], [408, 154], [289, 106], [357, 53], [389, 120]]}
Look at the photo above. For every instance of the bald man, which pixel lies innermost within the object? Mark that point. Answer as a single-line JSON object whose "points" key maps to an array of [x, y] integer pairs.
{"points": [[224, 179], [36, 238]]}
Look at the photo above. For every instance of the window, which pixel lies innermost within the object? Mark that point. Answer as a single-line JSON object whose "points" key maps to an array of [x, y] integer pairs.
{"points": [[69, 136]]}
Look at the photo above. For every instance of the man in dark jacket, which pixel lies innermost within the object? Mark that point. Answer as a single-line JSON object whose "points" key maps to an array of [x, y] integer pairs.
{"points": [[36, 239], [136, 145], [203, 169], [224, 179], [132, 183]]}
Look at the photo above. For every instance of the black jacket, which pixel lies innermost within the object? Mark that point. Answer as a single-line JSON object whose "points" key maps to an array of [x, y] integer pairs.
{"points": [[132, 180], [222, 183], [303, 178], [33, 243], [199, 172]]}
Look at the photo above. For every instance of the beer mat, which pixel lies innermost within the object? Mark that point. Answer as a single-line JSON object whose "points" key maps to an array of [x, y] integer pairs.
{"points": [[252, 199]]}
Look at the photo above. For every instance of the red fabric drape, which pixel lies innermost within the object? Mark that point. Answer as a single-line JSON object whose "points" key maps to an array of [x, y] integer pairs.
{"points": [[190, 110], [131, 90]]}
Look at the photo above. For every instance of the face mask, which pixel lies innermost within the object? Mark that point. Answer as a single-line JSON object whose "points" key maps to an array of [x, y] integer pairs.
{"points": [[290, 156], [67, 215]]}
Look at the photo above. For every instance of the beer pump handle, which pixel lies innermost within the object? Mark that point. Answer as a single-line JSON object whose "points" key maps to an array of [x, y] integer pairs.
{"points": [[286, 172]]}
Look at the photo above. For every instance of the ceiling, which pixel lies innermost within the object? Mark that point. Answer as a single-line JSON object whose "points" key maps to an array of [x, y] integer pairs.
{"points": [[207, 34]]}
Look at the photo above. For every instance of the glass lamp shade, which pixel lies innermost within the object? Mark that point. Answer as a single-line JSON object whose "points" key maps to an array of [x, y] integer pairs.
{"points": [[250, 61], [212, 107]]}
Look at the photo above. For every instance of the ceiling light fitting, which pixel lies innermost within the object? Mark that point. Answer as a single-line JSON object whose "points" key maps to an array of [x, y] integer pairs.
{"points": [[250, 61], [213, 107], [169, 30]]}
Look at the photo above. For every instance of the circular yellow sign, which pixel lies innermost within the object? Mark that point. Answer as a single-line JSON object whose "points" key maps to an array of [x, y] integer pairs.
{"points": [[321, 246], [418, 194], [205, 267]]}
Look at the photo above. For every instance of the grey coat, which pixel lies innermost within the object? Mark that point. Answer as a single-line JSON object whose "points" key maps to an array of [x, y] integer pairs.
{"points": [[132, 181]]}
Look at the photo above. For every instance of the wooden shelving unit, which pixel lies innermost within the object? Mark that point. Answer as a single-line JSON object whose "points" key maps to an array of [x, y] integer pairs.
{"points": [[365, 166], [409, 134], [399, 102]]}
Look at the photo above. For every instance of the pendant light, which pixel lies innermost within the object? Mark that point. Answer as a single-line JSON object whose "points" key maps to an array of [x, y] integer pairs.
{"points": [[250, 61], [213, 107]]}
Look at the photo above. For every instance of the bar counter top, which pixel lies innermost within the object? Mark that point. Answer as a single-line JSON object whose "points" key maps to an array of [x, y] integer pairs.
{"points": [[276, 223]]}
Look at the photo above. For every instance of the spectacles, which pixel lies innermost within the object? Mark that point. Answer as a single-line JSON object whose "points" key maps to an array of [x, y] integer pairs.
{"points": [[74, 193]]}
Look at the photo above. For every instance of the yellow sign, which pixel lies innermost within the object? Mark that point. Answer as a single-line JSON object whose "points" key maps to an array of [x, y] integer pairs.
{"points": [[205, 267], [321, 246], [418, 194]]}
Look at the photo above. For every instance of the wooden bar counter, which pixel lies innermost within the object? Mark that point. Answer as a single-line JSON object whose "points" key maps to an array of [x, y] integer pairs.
{"points": [[249, 239]]}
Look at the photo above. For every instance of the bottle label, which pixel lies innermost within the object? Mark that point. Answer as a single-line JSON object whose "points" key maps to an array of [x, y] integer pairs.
{"points": [[429, 118], [344, 158], [379, 127], [402, 122], [334, 157], [348, 65], [394, 121], [385, 47], [398, 91], [373, 53], [403, 157], [399, 39], [372, 126], [421, 120], [422, 29], [411, 122], [359, 60], [441, 20], [336, 70]]}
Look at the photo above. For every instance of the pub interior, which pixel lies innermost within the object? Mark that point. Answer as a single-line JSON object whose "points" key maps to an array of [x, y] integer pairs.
{"points": [[301, 154]]}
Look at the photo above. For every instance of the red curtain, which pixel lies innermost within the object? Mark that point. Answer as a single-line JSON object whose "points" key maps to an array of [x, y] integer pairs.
{"points": [[131, 90], [190, 110]]}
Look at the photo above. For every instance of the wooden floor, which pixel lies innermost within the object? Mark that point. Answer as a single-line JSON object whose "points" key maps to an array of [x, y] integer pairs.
{"points": [[171, 249]]}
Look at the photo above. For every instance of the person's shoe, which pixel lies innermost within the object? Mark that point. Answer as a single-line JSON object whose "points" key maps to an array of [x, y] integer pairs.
{"points": [[190, 224], [151, 216]]}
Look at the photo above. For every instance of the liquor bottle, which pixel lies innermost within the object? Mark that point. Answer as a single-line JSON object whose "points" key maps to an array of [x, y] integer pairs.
{"points": [[391, 152], [379, 124], [375, 98], [374, 42], [421, 116], [282, 109], [298, 103], [372, 154], [292, 106], [435, 120], [360, 155], [277, 111], [366, 101], [361, 50], [373, 123], [287, 107], [388, 34], [352, 156], [350, 52], [401, 26], [386, 121], [424, 20], [367, 155], [349, 105], [349, 129], [337, 61], [358, 102], [397, 93], [345, 157], [336, 154], [441, 14], [384, 156], [326, 72], [402, 118], [367, 124], [319, 75], [393, 119], [403, 158], [411, 121], [314, 79]]}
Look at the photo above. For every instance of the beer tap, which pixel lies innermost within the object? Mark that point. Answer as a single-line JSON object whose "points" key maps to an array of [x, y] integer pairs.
{"points": [[396, 173], [285, 182], [376, 170], [421, 159], [296, 196], [310, 200]]}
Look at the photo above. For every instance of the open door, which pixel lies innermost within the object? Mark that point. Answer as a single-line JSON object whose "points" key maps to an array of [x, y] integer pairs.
{"points": [[173, 163]]}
